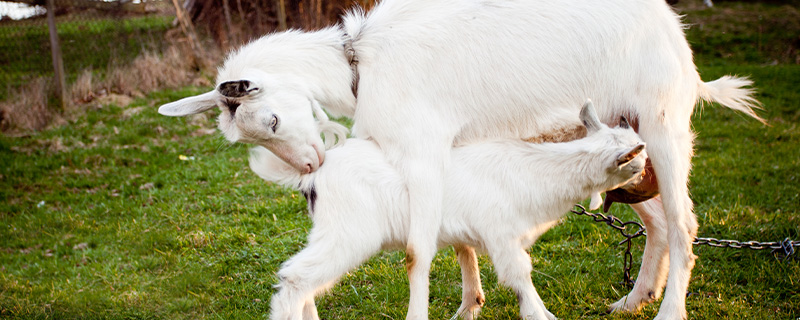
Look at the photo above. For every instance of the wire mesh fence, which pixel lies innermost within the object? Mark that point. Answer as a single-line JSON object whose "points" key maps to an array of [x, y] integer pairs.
{"points": [[129, 47], [94, 35], [232, 22], [101, 34]]}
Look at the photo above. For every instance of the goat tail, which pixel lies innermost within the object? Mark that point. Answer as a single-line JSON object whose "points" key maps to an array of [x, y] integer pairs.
{"points": [[269, 167], [732, 92], [353, 22]]}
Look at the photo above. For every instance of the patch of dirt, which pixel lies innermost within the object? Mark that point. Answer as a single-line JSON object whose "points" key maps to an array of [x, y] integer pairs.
{"points": [[119, 100]]}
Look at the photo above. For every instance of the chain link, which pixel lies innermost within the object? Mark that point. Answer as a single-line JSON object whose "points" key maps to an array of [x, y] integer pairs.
{"points": [[632, 230], [614, 222], [786, 246], [636, 230]]}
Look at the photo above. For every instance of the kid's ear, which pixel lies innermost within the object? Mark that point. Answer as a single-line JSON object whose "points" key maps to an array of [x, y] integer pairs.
{"points": [[589, 117], [190, 105], [626, 157], [623, 123]]}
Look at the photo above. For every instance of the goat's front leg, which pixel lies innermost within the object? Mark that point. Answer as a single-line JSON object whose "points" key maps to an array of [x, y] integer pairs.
{"points": [[513, 267], [310, 309], [317, 267], [472, 296], [655, 260], [425, 208]]}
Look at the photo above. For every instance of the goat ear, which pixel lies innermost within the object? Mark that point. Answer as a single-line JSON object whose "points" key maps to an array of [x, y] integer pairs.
{"points": [[626, 157], [589, 117], [623, 123], [236, 89], [333, 134], [317, 109], [190, 105]]}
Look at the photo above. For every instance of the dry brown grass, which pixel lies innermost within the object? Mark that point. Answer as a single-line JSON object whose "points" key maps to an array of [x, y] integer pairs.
{"points": [[82, 90], [174, 68], [26, 109]]}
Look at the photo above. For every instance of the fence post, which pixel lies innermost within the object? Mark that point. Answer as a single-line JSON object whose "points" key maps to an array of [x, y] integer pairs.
{"points": [[58, 61], [226, 9], [187, 27], [282, 15]]}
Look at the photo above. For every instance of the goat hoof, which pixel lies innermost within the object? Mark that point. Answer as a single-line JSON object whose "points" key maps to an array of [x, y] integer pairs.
{"points": [[626, 304]]}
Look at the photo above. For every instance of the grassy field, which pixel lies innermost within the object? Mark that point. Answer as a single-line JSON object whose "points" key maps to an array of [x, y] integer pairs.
{"points": [[103, 218]]}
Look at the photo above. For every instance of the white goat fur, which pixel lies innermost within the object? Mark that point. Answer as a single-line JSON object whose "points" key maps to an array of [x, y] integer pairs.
{"points": [[439, 73], [499, 197]]}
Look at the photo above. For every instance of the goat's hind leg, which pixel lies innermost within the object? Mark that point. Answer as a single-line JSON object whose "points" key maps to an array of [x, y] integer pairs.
{"points": [[669, 146], [422, 165], [472, 297], [655, 260]]}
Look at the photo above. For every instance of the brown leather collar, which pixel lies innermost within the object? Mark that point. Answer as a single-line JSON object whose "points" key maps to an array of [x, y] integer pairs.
{"points": [[352, 58]]}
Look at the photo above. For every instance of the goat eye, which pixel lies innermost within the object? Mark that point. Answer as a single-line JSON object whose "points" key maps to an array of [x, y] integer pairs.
{"points": [[273, 124]]}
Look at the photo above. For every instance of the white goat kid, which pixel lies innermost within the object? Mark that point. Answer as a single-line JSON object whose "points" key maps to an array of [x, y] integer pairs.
{"points": [[431, 74], [499, 196]]}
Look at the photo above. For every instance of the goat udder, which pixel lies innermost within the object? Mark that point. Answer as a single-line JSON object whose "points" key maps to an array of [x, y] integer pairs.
{"points": [[635, 193]]}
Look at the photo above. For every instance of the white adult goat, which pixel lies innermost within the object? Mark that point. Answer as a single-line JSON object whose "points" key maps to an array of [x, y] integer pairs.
{"points": [[499, 196], [431, 74]]}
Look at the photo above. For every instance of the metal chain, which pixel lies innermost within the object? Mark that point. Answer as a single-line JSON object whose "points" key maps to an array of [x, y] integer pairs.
{"points": [[785, 247], [637, 229]]}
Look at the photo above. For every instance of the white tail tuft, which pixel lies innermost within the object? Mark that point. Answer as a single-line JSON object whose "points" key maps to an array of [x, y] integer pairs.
{"points": [[732, 92]]}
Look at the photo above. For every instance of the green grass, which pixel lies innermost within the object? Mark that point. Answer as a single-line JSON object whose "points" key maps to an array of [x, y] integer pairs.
{"points": [[99, 218], [743, 32]]}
